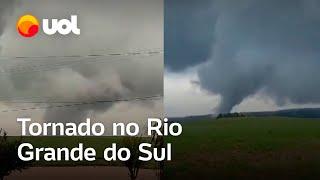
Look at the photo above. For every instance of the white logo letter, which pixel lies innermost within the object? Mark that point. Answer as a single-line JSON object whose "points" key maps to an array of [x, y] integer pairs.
{"points": [[46, 28], [74, 23]]}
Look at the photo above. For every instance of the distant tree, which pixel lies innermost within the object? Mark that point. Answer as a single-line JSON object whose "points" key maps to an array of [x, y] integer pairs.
{"points": [[133, 164], [9, 160], [242, 115], [229, 115], [157, 142]]}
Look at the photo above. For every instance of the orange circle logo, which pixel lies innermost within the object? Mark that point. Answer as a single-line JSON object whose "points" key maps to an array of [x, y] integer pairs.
{"points": [[28, 25]]}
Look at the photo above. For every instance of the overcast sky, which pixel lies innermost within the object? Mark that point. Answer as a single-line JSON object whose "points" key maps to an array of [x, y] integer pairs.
{"points": [[113, 26], [220, 56], [241, 55]]}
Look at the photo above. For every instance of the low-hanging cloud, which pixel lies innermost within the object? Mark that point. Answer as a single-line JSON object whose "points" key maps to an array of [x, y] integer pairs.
{"points": [[104, 29]]}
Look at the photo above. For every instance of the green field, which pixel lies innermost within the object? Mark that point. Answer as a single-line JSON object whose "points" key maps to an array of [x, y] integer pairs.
{"points": [[255, 148], [228, 148]]}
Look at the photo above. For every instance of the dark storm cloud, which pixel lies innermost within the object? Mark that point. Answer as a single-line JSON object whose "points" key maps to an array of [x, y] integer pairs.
{"points": [[259, 45], [188, 32]]}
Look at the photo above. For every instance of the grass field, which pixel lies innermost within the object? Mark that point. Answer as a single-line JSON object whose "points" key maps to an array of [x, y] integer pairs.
{"points": [[228, 148], [255, 148]]}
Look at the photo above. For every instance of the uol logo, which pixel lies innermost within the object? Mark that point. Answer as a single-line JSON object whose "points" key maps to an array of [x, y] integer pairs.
{"points": [[28, 26]]}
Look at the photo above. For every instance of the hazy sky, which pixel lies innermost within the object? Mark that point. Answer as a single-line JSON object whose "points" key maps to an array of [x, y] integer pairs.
{"points": [[112, 26], [241, 55], [220, 56]]}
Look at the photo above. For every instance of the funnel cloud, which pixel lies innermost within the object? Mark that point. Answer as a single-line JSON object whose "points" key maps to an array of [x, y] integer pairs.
{"points": [[256, 46]]}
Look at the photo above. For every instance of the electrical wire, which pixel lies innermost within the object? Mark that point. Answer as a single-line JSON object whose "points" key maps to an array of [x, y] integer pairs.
{"points": [[83, 103]]}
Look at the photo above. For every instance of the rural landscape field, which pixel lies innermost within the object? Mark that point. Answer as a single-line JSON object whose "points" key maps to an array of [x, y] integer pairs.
{"points": [[247, 147], [226, 148], [14, 169]]}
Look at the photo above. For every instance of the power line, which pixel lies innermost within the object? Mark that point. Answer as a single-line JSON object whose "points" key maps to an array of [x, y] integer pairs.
{"points": [[58, 65], [8, 99], [22, 69], [89, 58], [133, 53], [46, 67], [84, 103], [49, 100]]}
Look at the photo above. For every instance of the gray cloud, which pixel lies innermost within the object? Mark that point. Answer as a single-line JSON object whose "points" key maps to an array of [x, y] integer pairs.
{"points": [[268, 46], [188, 27], [106, 26], [5, 8]]}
